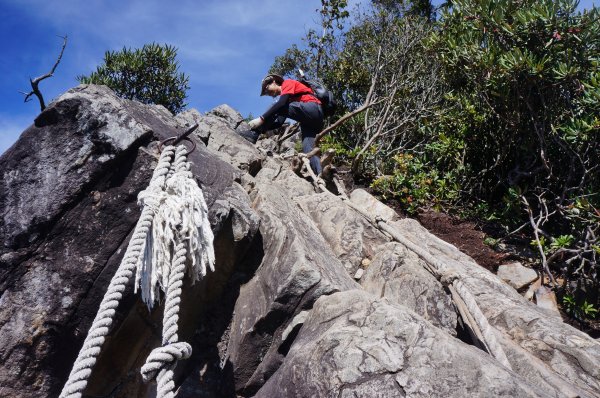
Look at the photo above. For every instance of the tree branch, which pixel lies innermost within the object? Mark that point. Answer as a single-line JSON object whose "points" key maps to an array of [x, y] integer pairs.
{"points": [[536, 231], [35, 82], [366, 105]]}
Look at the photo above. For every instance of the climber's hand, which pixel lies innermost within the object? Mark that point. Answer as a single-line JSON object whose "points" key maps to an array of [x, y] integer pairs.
{"points": [[254, 123]]}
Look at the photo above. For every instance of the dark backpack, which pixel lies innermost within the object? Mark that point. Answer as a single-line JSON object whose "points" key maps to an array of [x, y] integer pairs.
{"points": [[328, 102]]}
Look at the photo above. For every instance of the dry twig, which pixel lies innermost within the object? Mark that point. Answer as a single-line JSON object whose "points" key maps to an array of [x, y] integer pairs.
{"points": [[35, 82]]}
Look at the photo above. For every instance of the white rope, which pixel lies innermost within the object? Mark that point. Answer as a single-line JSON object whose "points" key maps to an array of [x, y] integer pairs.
{"points": [[180, 228], [173, 224], [82, 368], [435, 267], [494, 348], [182, 214]]}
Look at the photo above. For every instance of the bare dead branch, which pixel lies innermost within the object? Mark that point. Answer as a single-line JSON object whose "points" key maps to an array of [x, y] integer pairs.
{"points": [[356, 160], [35, 82], [289, 131], [366, 105], [535, 225]]}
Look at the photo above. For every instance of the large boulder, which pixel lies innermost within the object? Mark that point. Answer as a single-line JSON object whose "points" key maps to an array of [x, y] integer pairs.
{"points": [[399, 275], [538, 345], [68, 204], [392, 271], [354, 344], [297, 268]]}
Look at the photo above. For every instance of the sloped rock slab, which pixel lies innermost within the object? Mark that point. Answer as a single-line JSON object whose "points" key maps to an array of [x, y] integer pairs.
{"points": [[400, 276], [297, 268], [277, 173], [218, 129], [372, 206], [354, 344], [351, 237], [225, 116], [394, 272], [547, 352]]}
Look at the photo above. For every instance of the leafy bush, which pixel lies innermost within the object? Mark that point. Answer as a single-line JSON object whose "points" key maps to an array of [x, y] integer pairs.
{"points": [[149, 75], [521, 112], [415, 184], [579, 310]]}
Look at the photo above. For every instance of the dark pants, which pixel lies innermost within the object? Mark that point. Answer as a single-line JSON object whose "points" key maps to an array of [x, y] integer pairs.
{"points": [[310, 117]]}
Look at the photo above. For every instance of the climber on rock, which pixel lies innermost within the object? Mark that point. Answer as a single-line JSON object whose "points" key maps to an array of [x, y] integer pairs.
{"points": [[297, 102]]}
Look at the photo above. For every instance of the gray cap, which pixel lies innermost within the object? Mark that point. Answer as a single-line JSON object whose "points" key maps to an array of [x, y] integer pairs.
{"points": [[268, 80]]}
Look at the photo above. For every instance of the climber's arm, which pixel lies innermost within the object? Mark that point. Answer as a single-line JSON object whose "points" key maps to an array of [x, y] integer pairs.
{"points": [[280, 103]]}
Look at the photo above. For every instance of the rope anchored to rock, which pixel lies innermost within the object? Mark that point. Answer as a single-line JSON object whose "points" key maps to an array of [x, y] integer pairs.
{"points": [[172, 237]]}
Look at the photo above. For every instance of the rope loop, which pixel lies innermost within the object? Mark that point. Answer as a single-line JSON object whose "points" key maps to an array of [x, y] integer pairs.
{"points": [[164, 357]]}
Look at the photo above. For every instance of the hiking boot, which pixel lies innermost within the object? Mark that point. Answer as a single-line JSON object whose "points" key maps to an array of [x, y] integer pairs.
{"points": [[250, 135]]}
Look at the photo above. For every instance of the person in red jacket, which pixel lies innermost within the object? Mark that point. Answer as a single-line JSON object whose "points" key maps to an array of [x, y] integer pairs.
{"points": [[297, 102]]}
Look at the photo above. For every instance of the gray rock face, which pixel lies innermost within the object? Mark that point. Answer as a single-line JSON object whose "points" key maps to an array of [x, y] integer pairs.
{"points": [[372, 206], [219, 128], [355, 344], [297, 268], [399, 275], [394, 272], [57, 165], [281, 315], [351, 237], [516, 275], [539, 346], [230, 116]]}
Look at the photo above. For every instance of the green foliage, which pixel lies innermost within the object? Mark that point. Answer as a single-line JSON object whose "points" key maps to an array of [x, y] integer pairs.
{"points": [[320, 47], [521, 113], [562, 242], [415, 184], [419, 8], [541, 242], [343, 154], [492, 111], [149, 75], [517, 75], [579, 310], [491, 242]]}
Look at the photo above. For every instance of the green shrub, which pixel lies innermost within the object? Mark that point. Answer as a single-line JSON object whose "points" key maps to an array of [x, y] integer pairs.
{"points": [[149, 75], [519, 125], [415, 184]]}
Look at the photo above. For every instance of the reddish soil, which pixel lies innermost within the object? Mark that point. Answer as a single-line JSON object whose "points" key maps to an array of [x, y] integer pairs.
{"points": [[464, 235]]}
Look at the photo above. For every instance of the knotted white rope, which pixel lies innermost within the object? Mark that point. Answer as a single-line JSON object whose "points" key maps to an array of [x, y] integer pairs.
{"points": [[173, 223], [181, 216], [181, 227], [82, 368]]}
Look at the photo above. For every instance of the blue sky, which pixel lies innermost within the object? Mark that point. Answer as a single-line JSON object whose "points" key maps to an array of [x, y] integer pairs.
{"points": [[225, 46]]}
